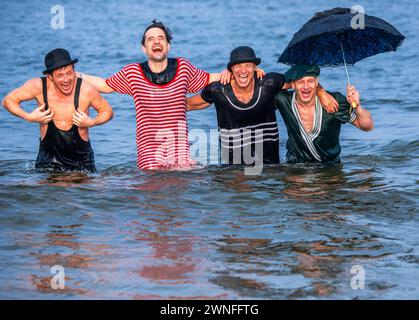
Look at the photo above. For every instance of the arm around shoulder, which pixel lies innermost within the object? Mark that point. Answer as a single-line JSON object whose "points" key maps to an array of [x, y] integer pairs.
{"points": [[197, 103], [97, 82]]}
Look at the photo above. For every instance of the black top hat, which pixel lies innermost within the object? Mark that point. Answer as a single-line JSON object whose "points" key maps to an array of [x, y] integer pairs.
{"points": [[241, 55], [56, 59]]}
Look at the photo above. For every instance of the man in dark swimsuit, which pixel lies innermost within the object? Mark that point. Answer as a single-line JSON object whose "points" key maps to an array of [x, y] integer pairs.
{"points": [[313, 135], [246, 110], [62, 113]]}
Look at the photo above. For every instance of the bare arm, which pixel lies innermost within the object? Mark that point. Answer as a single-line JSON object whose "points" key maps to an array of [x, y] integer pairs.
{"points": [[99, 103], [327, 101], [363, 117], [197, 103], [97, 82], [225, 76], [26, 92], [286, 86], [214, 77]]}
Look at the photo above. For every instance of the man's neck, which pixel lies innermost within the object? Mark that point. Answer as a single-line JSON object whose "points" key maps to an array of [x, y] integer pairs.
{"points": [[158, 66], [56, 93], [306, 105], [243, 92]]}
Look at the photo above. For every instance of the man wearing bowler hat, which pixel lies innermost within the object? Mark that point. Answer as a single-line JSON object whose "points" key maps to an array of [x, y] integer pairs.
{"points": [[246, 110], [62, 113]]}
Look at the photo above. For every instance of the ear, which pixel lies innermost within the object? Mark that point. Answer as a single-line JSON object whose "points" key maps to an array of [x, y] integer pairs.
{"points": [[49, 76], [168, 46], [143, 48], [293, 84]]}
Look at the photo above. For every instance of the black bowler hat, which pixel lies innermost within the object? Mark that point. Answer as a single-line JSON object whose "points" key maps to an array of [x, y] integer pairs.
{"points": [[241, 55], [56, 59]]}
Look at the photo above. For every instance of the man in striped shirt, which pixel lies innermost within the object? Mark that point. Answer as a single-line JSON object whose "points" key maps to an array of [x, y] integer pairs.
{"points": [[159, 87]]}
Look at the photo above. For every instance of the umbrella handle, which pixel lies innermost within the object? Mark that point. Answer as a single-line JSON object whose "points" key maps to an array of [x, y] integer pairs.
{"points": [[353, 104]]}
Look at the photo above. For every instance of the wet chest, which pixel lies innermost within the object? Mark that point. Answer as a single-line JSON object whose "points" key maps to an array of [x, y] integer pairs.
{"points": [[244, 98], [63, 112], [307, 118]]}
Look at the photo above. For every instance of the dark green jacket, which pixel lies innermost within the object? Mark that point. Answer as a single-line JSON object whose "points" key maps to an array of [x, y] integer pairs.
{"points": [[322, 143]]}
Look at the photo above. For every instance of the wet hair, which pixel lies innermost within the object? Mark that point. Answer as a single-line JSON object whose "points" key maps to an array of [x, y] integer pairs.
{"points": [[160, 25]]}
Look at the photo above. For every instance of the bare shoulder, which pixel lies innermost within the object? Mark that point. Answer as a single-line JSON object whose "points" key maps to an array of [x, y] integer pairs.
{"points": [[88, 91], [34, 85]]}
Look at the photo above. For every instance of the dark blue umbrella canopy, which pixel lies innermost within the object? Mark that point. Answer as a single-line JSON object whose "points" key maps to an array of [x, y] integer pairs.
{"points": [[320, 40]]}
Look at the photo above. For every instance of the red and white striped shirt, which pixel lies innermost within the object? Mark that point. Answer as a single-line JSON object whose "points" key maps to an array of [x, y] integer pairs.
{"points": [[162, 128]]}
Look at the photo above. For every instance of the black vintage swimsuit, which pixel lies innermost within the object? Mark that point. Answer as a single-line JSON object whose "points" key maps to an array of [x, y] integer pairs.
{"points": [[63, 150]]}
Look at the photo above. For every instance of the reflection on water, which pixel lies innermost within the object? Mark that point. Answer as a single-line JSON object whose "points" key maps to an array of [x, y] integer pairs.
{"points": [[66, 179], [260, 266], [62, 247], [173, 259], [291, 232], [170, 259], [311, 185]]}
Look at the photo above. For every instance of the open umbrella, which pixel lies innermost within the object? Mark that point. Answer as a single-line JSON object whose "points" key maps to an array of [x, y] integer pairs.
{"points": [[329, 39]]}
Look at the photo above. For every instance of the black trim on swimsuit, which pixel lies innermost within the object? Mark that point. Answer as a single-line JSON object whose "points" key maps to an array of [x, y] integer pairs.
{"points": [[163, 77]]}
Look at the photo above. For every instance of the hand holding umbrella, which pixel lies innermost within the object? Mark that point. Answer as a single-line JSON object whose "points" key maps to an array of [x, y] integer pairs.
{"points": [[328, 39], [353, 96]]}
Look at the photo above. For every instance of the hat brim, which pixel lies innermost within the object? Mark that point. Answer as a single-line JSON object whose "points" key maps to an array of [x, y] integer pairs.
{"points": [[60, 65], [300, 71], [290, 79], [232, 63]]}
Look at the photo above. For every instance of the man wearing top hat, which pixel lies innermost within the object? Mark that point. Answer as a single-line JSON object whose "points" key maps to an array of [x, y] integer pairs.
{"points": [[313, 135], [62, 113], [248, 130]]}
